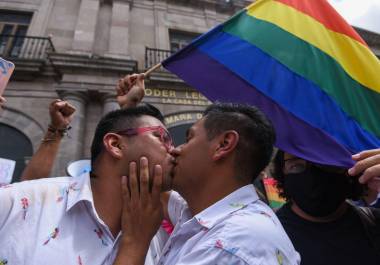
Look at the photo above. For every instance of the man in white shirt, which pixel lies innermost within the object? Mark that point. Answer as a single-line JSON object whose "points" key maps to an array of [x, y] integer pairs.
{"points": [[220, 219], [78, 220]]}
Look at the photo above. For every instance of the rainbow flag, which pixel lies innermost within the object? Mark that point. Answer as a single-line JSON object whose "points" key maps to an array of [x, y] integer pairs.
{"points": [[303, 66], [274, 199]]}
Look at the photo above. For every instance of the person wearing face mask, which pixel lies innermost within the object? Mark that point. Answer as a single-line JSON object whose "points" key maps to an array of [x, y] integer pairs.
{"points": [[322, 225]]}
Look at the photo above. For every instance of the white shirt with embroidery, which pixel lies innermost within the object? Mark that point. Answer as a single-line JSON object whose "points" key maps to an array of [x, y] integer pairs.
{"points": [[239, 229], [54, 221]]}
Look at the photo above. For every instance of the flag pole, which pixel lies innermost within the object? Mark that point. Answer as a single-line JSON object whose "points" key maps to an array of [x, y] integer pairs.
{"points": [[152, 69]]}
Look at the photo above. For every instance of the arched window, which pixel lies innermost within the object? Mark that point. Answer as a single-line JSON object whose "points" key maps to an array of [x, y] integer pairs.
{"points": [[16, 146]]}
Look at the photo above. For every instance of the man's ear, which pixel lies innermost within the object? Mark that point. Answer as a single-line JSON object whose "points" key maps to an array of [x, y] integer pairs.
{"points": [[113, 145], [226, 144]]}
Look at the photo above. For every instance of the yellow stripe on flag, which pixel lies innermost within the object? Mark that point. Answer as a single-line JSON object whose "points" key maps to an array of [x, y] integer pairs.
{"points": [[349, 53]]}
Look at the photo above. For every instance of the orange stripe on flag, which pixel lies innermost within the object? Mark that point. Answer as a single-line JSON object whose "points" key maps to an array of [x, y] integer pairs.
{"points": [[323, 12]]}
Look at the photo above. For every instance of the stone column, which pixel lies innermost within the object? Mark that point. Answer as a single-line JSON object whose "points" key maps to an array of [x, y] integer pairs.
{"points": [[40, 19], [109, 104], [161, 31], [210, 15], [118, 41], [71, 148], [103, 27], [84, 34]]}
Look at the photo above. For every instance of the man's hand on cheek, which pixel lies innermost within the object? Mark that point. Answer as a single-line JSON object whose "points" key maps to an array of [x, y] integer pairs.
{"points": [[142, 212], [368, 165]]}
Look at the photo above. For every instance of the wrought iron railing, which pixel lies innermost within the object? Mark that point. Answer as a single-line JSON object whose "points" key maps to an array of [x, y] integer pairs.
{"points": [[25, 47], [155, 56]]}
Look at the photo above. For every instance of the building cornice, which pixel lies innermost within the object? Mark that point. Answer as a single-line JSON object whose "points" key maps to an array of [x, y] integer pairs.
{"points": [[371, 38], [221, 6], [219, 3], [67, 62]]}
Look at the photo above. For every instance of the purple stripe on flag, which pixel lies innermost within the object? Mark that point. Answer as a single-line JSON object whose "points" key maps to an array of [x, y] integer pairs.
{"points": [[293, 135]]}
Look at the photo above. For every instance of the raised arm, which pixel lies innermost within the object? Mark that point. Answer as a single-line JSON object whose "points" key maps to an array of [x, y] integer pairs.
{"points": [[41, 164], [130, 91]]}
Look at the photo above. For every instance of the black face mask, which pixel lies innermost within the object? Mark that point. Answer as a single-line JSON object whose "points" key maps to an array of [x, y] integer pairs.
{"points": [[316, 192]]}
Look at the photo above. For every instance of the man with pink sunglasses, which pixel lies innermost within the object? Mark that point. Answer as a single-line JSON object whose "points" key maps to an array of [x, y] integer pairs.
{"points": [[78, 220]]}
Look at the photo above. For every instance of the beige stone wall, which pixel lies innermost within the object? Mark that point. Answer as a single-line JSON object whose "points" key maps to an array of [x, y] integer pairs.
{"points": [[61, 23], [151, 21]]}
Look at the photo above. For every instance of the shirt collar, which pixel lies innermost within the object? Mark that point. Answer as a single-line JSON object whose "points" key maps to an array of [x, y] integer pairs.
{"points": [[235, 201], [79, 189]]}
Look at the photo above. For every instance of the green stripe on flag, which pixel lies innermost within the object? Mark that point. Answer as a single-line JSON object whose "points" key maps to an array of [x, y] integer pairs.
{"points": [[359, 102]]}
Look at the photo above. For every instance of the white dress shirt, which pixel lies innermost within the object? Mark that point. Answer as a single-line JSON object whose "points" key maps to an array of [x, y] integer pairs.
{"points": [[54, 221], [239, 229]]}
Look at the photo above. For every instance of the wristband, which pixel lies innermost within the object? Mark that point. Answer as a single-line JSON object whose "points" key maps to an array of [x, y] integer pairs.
{"points": [[56, 131]]}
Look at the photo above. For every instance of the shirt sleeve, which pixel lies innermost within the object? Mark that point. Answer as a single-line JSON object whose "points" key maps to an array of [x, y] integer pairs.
{"points": [[7, 204], [176, 205]]}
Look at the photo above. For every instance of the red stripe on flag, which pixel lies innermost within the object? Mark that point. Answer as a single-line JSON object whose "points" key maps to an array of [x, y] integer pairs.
{"points": [[323, 12]]}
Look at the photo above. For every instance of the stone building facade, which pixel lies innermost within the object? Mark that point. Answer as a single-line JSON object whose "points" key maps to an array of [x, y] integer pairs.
{"points": [[78, 49]]}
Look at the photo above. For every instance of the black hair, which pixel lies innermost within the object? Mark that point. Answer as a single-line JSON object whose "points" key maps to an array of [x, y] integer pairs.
{"points": [[118, 120], [278, 175], [256, 135], [356, 189]]}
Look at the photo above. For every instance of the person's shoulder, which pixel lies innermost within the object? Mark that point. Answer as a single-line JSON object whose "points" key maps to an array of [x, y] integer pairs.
{"points": [[256, 231], [255, 219]]}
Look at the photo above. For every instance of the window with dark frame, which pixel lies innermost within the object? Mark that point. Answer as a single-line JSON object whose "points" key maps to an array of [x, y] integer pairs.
{"points": [[13, 25], [179, 39]]}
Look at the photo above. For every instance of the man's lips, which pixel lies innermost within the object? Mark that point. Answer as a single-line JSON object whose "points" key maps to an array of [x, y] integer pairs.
{"points": [[174, 163]]}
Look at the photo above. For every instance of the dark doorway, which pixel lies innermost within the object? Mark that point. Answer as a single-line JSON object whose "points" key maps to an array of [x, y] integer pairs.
{"points": [[16, 146]]}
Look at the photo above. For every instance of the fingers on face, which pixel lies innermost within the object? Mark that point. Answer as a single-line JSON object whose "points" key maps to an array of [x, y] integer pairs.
{"points": [[125, 190], [374, 184], [157, 182], [370, 173], [133, 186], [365, 164], [139, 190], [144, 177], [366, 154]]}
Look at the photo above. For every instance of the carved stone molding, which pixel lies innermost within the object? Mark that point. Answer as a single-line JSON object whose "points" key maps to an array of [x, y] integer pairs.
{"points": [[67, 62]]}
